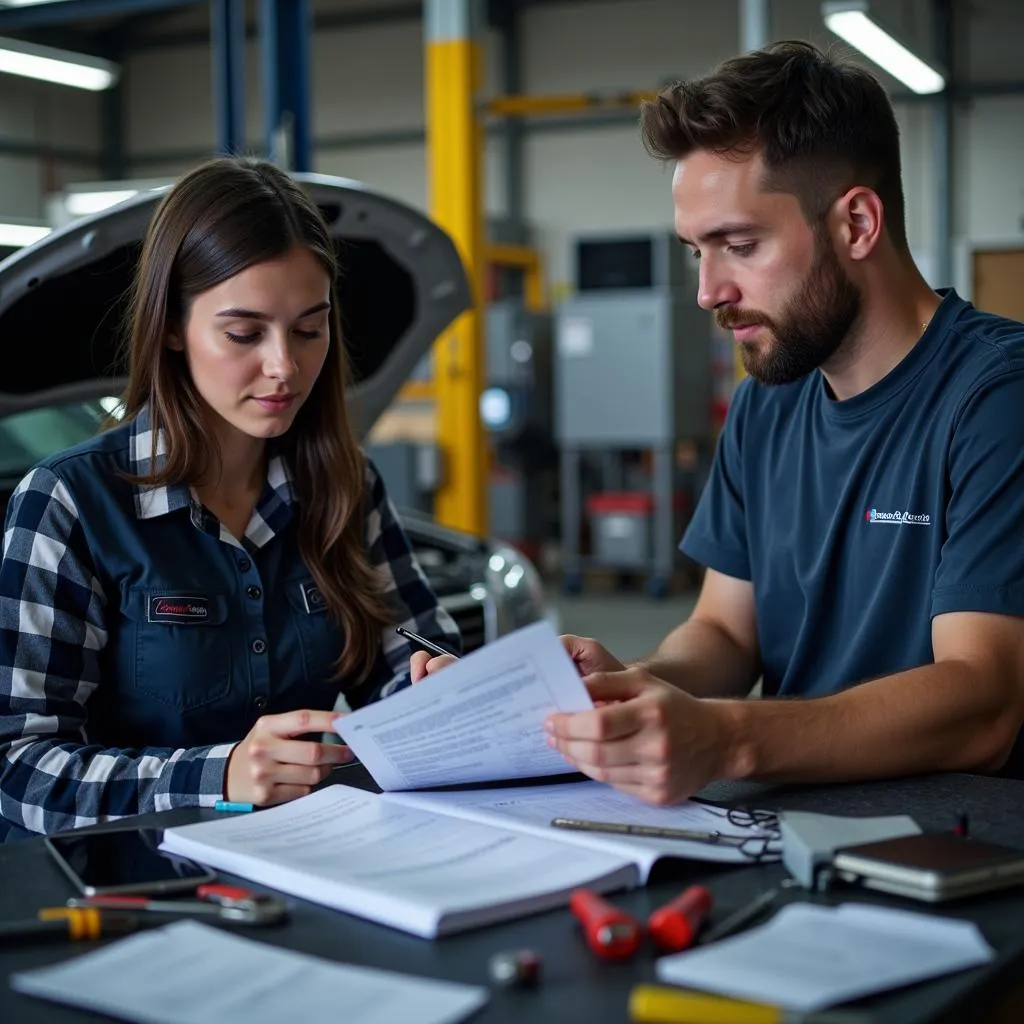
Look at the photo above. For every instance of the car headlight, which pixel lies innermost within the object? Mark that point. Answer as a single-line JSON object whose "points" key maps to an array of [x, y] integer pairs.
{"points": [[515, 586]]}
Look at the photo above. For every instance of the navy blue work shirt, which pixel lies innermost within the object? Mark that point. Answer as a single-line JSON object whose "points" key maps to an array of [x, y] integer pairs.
{"points": [[858, 521], [139, 640]]}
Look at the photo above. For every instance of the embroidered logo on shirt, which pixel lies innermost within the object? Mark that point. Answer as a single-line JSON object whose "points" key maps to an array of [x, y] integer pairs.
{"points": [[312, 598], [179, 609], [897, 518]]}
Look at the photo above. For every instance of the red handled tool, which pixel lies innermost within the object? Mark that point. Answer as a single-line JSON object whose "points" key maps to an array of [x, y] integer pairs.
{"points": [[675, 925], [611, 933], [223, 902]]}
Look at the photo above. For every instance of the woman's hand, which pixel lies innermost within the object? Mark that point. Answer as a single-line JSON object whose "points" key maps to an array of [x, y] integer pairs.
{"points": [[269, 766], [422, 664]]}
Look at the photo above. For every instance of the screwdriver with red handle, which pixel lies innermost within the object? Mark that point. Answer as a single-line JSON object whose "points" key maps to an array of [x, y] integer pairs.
{"points": [[674, 926], [610, 932]]}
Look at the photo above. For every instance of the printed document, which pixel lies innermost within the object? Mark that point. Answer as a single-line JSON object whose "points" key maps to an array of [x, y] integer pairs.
{"points": [[478, 720], [432, 864], [531, 808], [401, 866], [190, 973], [808, 957]]}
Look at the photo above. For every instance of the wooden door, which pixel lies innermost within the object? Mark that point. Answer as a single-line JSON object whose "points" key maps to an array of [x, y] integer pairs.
{"points": [[999, 281]]}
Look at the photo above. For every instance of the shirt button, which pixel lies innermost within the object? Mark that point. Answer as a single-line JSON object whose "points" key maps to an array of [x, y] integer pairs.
{"points": [[255, 593], [259, 646], [244, 564], [260, 703]]}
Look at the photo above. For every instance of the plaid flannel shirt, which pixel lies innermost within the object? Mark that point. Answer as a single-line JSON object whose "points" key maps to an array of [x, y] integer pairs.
{"points": [[68, 564]]}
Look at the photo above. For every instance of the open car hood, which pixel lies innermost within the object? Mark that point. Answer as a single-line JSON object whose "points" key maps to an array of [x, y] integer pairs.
{"points": [[62, 300]]}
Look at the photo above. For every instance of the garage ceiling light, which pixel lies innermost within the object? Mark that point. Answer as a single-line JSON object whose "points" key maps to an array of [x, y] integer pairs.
{"points": [[851, 20], [14, 235], [80, 70]]}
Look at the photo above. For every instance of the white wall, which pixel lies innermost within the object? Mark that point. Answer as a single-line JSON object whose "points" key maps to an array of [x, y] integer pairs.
{"points": [[39, 114], [990, 153]]}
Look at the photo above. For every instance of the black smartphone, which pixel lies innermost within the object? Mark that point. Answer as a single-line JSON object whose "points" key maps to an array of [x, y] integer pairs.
{"points": [[123, 861]]}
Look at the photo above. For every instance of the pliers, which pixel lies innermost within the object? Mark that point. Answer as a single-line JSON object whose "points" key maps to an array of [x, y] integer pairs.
{"points": [[228, 903]]}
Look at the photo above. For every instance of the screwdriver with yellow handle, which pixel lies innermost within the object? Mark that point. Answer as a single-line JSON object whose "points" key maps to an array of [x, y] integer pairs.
{"points": [[659, 1004], [69, 923]]}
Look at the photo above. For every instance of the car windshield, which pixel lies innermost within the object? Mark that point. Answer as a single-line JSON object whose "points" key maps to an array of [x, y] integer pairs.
{"points": [[30, 435]]}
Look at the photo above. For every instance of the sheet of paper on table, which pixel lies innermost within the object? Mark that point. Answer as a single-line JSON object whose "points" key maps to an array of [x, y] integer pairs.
{"points": [[191, 973], [808, 957]]}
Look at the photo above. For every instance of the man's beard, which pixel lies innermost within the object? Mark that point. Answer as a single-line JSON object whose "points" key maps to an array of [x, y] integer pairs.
{"points": [[810, 328]]}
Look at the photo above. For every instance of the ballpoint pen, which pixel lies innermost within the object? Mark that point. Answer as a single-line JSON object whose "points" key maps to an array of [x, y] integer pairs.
{"points": [[658, 1004], [650, 831], [427, 645]]}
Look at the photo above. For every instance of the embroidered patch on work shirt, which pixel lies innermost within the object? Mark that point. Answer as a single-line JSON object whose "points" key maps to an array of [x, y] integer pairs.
{"points": [[179, 609], [312, 598]]}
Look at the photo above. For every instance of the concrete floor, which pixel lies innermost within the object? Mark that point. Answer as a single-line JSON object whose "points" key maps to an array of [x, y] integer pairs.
{"points": [[629, 624]]}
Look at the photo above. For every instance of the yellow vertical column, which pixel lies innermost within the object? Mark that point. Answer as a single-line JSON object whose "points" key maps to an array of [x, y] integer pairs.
{"points": [[454, 158]]}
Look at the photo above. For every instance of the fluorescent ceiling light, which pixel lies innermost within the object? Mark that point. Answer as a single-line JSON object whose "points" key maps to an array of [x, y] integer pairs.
{"points": [[81, 204], [14, 236], [80, 70], [849, 19]]}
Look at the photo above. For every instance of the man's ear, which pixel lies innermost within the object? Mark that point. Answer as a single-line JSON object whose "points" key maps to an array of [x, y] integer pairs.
{"points": [[860, 220]]}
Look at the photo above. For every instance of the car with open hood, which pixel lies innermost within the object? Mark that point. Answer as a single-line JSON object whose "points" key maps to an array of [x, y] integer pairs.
{"points": [[62, 304]]}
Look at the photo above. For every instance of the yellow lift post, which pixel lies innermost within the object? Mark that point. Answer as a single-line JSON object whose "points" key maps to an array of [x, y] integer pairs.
{"points": [[453, 65]]}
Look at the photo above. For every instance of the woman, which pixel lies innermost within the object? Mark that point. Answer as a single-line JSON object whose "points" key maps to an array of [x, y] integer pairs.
{"points": [[185, 597]]}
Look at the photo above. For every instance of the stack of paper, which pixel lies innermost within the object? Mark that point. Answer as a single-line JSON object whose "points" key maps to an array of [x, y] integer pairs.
{"points": [[190, 973], [401, 866], [808, 957]]}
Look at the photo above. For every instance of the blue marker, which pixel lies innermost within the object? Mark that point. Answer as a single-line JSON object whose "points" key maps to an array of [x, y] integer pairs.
{"points": [[229, 805]]}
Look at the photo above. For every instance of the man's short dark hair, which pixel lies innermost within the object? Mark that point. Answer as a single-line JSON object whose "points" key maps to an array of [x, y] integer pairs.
{"points": [[822, 125]]}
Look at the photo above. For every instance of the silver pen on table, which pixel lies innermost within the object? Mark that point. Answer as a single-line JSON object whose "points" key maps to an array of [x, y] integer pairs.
{"points": [[647, 831]]}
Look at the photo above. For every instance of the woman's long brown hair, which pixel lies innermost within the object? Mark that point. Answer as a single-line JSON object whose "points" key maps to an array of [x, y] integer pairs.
{"points": [[221, 218]]}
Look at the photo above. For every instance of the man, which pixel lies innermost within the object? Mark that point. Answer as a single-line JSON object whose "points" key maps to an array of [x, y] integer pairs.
{"points": [[863, 526]]}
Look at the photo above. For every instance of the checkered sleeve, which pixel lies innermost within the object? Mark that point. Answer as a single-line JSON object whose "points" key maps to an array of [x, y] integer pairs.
{"points": [[406, 588], [53, 615]]}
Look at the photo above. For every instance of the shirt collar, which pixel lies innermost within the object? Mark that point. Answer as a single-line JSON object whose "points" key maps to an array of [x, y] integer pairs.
{"points": [[272, 510]]}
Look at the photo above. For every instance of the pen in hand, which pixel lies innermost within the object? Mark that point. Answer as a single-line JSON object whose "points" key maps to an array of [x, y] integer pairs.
{"points": [[427, 645]]}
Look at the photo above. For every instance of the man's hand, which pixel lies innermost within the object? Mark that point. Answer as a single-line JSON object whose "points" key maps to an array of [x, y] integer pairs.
{"points": [[645, 737], [423, 664], [589, 656], [270, 767]]}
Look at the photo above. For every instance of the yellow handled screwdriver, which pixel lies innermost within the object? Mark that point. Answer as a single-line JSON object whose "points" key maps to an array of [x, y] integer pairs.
{"points": [[658, 1004], [66, 923]]}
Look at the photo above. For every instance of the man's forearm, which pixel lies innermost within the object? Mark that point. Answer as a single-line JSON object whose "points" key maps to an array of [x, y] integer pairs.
{"points": [[702, 659], [943, 717]]}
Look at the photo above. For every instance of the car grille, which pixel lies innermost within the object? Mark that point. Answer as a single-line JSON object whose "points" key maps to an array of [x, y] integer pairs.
{"points": [[474, 615]]}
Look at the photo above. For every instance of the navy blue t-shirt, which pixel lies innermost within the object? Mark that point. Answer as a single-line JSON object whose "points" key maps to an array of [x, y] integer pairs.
{"points": [[858, 521]]}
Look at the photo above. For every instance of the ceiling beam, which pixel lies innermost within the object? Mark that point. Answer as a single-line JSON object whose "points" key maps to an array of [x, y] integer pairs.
{"points": [[68, 12]]}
